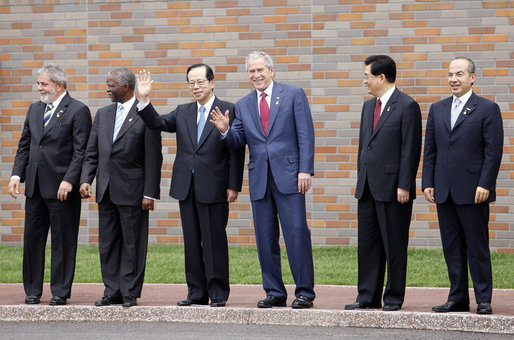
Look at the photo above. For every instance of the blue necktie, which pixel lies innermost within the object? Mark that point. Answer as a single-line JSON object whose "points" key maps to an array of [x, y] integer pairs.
{"points": [[118, 123], [201, 124], [455, 111], [47, 115]]}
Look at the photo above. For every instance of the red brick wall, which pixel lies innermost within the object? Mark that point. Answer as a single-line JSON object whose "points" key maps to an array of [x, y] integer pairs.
{"points": [[319, 47]]}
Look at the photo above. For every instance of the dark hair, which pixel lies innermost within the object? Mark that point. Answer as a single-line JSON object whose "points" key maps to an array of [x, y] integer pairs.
{"points": [[209, 74], [124, 76], [472, 68], [382, 64]]}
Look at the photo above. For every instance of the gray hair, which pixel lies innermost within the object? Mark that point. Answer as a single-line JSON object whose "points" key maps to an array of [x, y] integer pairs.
{"points": [[55, 73], [472, 68], [123, 76], [260, 54]]}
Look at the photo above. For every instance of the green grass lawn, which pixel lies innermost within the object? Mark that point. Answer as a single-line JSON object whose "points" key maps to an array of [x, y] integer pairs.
{"points": [[332, 266]]}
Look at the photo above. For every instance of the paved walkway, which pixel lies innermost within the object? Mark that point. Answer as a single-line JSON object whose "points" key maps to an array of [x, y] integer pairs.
{"points": [[158, 303]]}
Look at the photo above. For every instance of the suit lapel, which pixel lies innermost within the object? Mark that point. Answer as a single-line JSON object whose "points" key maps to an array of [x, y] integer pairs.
{"points": [[467, 110], [208, 126], [192, 126], [254, 111], [58, 113], [276, 98], [129, 121], [39, 112], [386, 112], [447, 113], [110, 117]]}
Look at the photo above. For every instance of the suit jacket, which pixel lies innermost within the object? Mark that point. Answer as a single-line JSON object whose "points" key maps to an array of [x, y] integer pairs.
{"points": [[216, 167], [388, 157], [289, 146], [55, 153], [131, 166], [457, 161]]}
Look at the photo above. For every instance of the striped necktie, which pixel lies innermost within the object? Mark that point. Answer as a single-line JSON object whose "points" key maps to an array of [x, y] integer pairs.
{"points": [[47, 115], [201, 124]]}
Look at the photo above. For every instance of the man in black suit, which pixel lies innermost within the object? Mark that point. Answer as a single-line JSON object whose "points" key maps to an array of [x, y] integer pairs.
{"points": [[48, 160], [125, 156], [207, 176], [388, 159], [463, 151]]}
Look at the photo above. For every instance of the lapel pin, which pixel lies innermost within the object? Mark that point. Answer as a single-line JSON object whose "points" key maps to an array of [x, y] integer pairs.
{"points": [[59, 114], [130, 119], [388, 109], [467, 109]]}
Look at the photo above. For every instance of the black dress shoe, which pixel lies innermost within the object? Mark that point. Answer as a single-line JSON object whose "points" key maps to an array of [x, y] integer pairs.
{"points": [[271, 301], [484, 308], [32, 299], [218, 303], [302, 302], [109, 300], [129, 301], [360, 305], [57, 301], [451, 306], [390, 307], [189, 302]]}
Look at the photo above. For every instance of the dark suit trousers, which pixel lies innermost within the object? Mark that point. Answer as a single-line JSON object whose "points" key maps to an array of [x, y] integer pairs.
{"points": [[383, 237], [465, 238], [123, 242], [205, 247], [63, 219], [297, 237]]}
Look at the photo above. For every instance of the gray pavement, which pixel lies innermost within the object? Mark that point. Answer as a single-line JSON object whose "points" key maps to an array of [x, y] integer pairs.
{"points": [[158, 304]]}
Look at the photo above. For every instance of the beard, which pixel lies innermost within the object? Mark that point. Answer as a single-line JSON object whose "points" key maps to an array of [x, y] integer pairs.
{"points": [[48, 97]]}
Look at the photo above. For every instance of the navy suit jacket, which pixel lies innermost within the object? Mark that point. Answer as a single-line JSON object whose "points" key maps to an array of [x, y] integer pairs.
{"points": [[131, 166], [457, 161], [216, 167], [289, 146], [388, 157], [55, 153]]}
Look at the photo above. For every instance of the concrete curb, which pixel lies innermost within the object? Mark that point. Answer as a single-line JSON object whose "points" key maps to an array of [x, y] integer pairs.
{"points": [[275, 316]]}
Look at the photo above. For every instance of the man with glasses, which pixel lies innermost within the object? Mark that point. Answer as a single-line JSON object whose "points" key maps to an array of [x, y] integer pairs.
{"points": [[388, 159], [463, 151], [207, 176]]}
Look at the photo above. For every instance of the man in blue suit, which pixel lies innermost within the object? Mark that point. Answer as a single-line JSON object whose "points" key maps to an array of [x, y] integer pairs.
{"points": [[275, 122], [388, 160], [463, 151]]}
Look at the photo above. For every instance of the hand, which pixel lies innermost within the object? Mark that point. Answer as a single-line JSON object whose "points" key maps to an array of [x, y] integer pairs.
{"points": [[144, 85], [14, 187], [219, 120], [429, 194], [85, 190], [402, 195], [64, 190], [481, 195], [304, 182], [231, 195], [148, 204]]}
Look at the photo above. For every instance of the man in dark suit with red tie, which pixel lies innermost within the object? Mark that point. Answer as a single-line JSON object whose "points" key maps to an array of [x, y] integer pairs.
{"points": [[125, 156], [49, 160], [388, 159], [207, 176], [463, 151]]}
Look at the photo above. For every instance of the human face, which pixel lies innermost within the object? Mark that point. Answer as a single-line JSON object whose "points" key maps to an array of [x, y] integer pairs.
{"points": [[459, 78], [116, 92], [259, 74], [200, 87], [372, 82], [48, 89]]}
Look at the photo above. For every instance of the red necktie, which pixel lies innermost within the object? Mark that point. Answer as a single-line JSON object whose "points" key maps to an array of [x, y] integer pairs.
{"points": [[263, 106], [376, 116]]}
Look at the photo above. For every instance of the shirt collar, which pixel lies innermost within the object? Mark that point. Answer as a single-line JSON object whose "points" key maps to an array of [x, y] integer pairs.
{"points": [[385, 97], [207, 105], [58, 100], [464, 98], [128, 104], [268, 91]]}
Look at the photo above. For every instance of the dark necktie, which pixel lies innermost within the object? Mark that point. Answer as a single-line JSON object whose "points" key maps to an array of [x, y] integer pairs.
{"points": [[376, 116], [263, 106]]}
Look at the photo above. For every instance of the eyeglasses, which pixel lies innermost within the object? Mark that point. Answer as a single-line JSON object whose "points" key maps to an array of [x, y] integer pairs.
{"points": [[200, 82], [368, 76]]}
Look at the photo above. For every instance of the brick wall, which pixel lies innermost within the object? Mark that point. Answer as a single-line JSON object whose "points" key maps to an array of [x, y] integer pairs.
{"points": [[318, 45]]}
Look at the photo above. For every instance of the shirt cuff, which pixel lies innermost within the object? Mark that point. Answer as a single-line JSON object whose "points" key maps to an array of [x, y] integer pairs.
{"points": [[140, 106], [224, 134], [16, 177], [150, 198]]}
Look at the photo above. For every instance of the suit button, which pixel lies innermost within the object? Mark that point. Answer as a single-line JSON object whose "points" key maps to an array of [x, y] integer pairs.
{"points": [[369, 147], [268, 142], [365, 163]]}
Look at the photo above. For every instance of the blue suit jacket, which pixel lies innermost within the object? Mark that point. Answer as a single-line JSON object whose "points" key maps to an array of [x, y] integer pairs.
{"points": [[457, 161], [289, 146]]}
